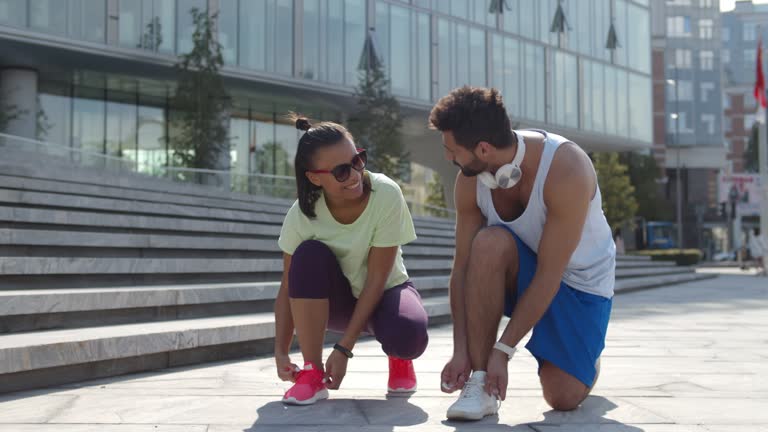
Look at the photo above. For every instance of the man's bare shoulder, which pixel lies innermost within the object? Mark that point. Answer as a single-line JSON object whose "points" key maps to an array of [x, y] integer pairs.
{"points": [[465, 192], [571, 171]]}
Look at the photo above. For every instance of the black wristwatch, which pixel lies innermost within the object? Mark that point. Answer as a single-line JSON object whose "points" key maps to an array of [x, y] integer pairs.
{"points": [[343, 350]]}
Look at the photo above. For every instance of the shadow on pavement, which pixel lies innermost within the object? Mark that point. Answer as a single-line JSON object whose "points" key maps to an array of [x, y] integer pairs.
{"points": [[335, 413]]}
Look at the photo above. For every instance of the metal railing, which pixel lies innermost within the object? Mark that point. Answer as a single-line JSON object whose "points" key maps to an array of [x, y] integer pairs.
{"points": [[277, 186]]}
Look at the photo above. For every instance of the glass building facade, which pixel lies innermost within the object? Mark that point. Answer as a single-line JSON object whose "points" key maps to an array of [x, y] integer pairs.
{"points": [[568, 81]]}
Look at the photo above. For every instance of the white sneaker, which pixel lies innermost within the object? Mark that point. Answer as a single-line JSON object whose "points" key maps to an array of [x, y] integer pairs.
{"points": [[474, 403]]}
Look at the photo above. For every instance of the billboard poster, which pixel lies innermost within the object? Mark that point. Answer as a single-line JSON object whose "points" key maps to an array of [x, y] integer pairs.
{"points": [[744, 189]]}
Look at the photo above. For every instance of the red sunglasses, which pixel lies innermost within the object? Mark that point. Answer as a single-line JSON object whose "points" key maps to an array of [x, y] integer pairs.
{"points": [[342, 172]]}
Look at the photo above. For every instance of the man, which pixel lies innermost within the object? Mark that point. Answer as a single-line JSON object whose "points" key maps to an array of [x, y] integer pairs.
{"points": [[532, 242]]}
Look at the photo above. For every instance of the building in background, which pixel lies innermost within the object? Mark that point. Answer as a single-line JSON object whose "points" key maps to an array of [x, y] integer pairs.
{"points": [[742, 28], [101, 70], [694, 143]]}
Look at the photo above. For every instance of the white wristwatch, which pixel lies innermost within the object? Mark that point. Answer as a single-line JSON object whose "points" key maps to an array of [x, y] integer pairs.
{"points": [[506, 349]]}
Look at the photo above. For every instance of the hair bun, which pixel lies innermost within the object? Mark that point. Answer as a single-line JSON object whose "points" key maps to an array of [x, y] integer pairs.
{"points": [[302, 123]]}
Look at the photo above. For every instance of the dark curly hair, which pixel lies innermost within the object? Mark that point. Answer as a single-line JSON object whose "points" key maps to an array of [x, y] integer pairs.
{"points": [[473, 114], [315, 136]]}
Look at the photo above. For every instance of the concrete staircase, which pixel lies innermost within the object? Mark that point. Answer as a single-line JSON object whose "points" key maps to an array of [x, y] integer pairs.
{"points": [[103, 275]]}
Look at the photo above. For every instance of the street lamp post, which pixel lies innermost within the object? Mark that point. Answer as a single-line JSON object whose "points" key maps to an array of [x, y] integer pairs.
{"points": [[678, 195]]}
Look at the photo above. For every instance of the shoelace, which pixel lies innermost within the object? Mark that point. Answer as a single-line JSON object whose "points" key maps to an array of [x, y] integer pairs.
{"points": [[306, 374], [474, 389]]}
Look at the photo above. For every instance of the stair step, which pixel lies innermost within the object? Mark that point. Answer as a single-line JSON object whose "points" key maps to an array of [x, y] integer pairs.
{"points": [[14, 191], [651, 271], [633, 284], [54, 348], [27, 302], [85, 239]]}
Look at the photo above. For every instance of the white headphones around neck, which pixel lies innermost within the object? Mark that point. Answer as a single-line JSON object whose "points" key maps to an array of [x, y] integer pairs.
{"points": [[508, 175]]}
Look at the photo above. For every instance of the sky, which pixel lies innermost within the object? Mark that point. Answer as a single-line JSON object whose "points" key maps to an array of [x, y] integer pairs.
{"points": [[726, 5]]}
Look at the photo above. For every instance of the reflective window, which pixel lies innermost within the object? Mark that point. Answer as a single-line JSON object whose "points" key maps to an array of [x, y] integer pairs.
{"points": [[706, 28], [227, 30], [45, 16], [528, 21], [639, 44], [456, 44], [88, 111], [533, 90], [151, 149], [324, 27], [563, 95], [266, 35], [186, 25], [354, 39], [640, 109], [506, 71], [147, 24], [510, 19], [621, 24], [611, 102], [13, 12], [56, 103], [121, 124], [622, 104]]}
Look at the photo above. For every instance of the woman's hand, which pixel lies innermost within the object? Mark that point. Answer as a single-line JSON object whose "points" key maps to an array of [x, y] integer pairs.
{"points": [[335, 369], [285, 369]]}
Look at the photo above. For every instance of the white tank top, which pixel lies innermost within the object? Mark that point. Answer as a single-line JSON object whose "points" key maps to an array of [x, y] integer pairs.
{"points": [[592, 267]]}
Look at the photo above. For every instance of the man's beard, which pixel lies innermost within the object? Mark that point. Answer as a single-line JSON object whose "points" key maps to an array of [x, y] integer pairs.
{"points": [[473, 168]]}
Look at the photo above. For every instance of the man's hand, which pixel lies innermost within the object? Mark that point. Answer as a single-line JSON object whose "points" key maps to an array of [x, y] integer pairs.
{"points": [[285, 369], [455, 373], [335, 369], [497, 376]]}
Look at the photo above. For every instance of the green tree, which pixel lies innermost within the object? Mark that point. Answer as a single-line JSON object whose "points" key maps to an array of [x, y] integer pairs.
{"points": [[643, 175], [619, 202], [751, 160], [436, 196], [377, 122], [201, 103]]}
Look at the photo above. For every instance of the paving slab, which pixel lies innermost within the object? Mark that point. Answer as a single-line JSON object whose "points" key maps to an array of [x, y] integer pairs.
{"points": [[682, 358]]}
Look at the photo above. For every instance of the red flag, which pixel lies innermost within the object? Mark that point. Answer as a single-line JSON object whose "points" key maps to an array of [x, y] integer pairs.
{"points": [[760, 80]]}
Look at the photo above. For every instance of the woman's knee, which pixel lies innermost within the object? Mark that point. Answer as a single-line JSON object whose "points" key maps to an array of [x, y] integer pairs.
{"points": [[309, 275], [406, 339]]}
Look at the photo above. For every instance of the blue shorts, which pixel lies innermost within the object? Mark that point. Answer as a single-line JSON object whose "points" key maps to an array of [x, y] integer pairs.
{"points": [[571, 334]]}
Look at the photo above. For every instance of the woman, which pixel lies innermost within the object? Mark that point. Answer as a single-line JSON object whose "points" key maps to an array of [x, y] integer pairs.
{"points": [[343, 267]]}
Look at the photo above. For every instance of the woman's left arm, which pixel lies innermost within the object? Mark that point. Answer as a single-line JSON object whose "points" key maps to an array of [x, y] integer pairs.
{"points": [[380, 263]]}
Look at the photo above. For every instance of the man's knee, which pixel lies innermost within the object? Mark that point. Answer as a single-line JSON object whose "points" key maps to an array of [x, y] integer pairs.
{"points": [[493, 245], [562, 391]]}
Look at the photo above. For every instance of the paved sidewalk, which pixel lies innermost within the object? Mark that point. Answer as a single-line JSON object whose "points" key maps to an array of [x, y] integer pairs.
{"points": [[691, 357]]}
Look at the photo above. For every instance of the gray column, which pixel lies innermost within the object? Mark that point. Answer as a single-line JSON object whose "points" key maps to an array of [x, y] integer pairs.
{"points": [[18, 97]]}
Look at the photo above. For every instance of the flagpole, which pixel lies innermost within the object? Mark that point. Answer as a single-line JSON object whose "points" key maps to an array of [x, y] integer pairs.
{"points": [[763, 163], [763, 155]]}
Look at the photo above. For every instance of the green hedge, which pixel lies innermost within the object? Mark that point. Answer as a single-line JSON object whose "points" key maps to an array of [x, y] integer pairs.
{"points": [[685, 257]]}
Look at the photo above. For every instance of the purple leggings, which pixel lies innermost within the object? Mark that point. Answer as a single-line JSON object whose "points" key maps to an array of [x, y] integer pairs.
{"points": [[399, 322]]}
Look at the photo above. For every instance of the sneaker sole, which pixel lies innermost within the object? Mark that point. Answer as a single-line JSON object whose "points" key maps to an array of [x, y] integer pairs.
{"points": [[401, 390], [322, 394], [461, 415]]}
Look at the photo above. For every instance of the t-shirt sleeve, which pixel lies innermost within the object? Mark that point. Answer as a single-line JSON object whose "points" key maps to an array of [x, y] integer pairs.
{"points": [[293, 231], [395, 226]]}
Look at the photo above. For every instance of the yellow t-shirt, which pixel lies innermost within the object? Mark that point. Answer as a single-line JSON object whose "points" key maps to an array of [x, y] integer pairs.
{"points": [[385, 222]]}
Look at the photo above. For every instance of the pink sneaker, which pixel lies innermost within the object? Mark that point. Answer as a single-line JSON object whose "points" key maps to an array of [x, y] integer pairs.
{"points": [[309, 387], [402, 378]]}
